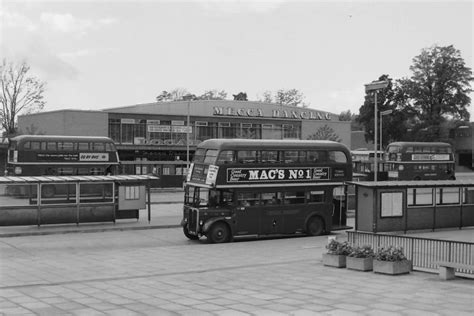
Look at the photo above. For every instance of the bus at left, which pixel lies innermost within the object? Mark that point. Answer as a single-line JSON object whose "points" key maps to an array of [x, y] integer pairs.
{"points": [[53, 155]]}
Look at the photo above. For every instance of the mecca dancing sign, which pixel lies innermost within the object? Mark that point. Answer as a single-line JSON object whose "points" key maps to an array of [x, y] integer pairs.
{"points": [[249, 175]]}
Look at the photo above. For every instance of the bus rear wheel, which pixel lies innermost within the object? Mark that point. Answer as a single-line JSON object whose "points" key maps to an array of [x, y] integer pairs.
{"points": [[315, 226], [219, 233], [187, 234]]}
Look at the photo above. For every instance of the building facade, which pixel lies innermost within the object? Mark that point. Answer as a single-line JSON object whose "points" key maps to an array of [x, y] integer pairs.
{"points": [[161, 137]]}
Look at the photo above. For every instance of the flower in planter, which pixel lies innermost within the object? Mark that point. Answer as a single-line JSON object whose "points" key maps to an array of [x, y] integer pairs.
{"points": [[365, 251], [338, 248], [390, 254]]}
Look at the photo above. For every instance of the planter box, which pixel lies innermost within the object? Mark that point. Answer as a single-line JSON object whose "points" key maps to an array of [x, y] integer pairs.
{"points": [[338, 261], [392, 267], [360, 264]]}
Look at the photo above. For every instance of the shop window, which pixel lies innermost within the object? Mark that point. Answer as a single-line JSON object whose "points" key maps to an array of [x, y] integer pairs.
{"points": [[391, 204], [419, 196], [127, 133], [447, 196]]}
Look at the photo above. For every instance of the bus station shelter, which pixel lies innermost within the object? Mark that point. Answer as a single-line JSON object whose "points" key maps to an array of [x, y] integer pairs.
{"points": [[72, 199], [390, 206]]}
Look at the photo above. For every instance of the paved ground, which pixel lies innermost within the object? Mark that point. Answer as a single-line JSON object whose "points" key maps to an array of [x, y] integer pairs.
{"points": [[160, 272]]}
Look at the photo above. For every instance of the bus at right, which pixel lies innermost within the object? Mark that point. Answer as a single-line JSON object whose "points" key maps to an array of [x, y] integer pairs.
{"points": [[419, 161]]}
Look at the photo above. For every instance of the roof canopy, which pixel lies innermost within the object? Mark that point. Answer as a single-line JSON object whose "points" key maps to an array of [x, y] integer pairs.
{"points": [[47, 179]]}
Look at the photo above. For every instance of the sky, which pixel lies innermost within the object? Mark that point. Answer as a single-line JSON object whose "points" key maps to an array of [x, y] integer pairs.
{"points": [[97, 54]]}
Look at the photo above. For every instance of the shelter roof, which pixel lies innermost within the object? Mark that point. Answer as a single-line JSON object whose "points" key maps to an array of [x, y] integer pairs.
{"points": [[49, 179]]}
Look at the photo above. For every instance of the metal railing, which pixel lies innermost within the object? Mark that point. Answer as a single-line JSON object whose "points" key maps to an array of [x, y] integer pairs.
{"points": [[423, 252]]}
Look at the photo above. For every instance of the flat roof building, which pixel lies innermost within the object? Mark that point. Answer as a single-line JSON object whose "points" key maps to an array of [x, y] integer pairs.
{"points": [[157, 137]]}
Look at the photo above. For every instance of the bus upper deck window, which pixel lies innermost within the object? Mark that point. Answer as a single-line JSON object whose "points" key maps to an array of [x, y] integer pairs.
{"points": [[247, 156], [226, 156], [82, 146], [98, 146], [211, 156], [290, 156], [65, 146], [51, 146], [269, 156], [199, 155], [337, 156], [109, 147], [35, 145], [26, 145]]}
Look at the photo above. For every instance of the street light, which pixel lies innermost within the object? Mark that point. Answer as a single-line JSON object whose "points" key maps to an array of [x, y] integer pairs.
{"points": [[382, 113], [375, 86], [188, 98]]}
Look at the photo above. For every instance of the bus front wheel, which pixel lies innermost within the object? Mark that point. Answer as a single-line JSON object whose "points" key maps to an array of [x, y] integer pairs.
{"points": [[315, 226], [219, 233], [187, 234]]}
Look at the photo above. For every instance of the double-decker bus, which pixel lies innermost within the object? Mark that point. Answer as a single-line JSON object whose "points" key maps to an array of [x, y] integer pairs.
{"points": [[38, 155], [420, 161], [363, 165], [251, 188]]}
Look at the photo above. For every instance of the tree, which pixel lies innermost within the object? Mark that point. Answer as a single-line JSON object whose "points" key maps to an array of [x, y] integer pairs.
{"points": [[438, 90], [174, 95], [241, 96], [267, 97], [325, 133], [180, 94], [213, 95], [384, 102], [291, 97], [20, 94]]}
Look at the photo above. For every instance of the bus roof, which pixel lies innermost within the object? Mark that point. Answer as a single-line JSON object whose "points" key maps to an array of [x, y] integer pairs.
{"points": [[270, 144], [21, 138], [405, 144]]}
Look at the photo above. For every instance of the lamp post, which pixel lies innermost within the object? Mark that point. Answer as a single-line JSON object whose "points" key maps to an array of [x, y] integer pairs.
{"points": [[187, 97], [375, 86], [382, 113]]}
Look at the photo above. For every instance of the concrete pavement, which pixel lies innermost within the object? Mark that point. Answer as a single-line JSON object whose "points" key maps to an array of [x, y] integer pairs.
{"points": [[128, 268], [159, 272]]}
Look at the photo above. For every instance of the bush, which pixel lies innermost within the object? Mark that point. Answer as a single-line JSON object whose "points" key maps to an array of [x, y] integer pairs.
{"points": [[365, 251], [390, 254], [338, 248]]}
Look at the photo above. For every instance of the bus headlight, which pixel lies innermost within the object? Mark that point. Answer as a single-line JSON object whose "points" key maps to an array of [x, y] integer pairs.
{"points": [[201, 222], [18, 170]]}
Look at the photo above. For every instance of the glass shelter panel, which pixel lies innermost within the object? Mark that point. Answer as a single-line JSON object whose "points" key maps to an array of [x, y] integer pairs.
{"points": [[18, 194]]}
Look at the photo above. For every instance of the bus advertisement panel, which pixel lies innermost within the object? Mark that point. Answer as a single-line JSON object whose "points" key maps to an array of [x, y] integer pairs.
{"points": [[239, 188], [420, 161]]}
